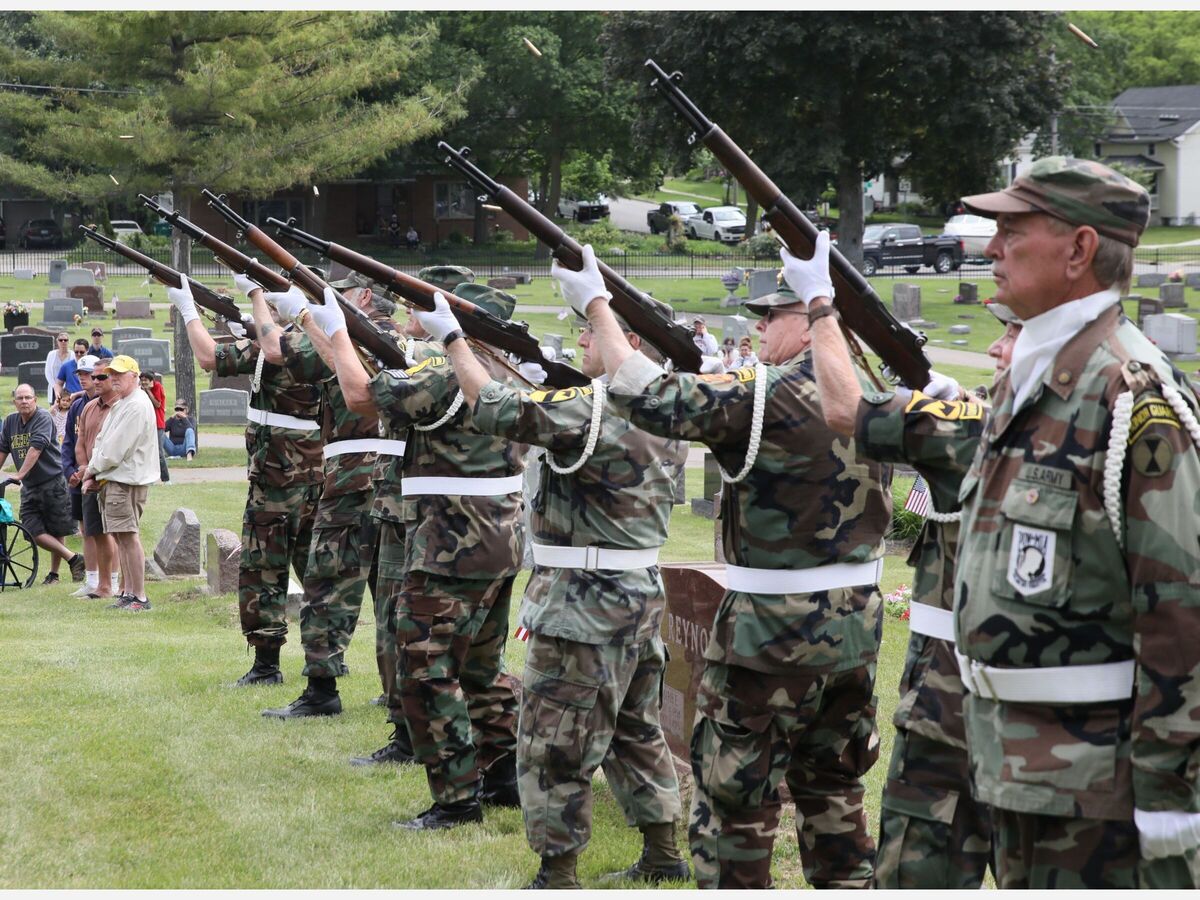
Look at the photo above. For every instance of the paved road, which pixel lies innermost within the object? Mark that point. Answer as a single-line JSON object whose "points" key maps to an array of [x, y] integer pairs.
{"points": [[630, 215]]}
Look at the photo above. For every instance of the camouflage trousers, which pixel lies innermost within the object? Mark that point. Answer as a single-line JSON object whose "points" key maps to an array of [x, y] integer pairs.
{"points": [[584, 706], [458, 702], [754, 729], [389, 553], [339, 567], [932, 832], [276, 532], [1045, 852]]}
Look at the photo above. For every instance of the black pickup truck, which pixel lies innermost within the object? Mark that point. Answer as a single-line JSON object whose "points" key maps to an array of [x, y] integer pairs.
{"points": [[898, 244], [659, 219]]}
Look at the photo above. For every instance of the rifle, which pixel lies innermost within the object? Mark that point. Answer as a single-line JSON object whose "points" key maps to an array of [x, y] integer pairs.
{"points": [[645, 317], [855, 299], [359, 326], [209, 299], [476, 321]]}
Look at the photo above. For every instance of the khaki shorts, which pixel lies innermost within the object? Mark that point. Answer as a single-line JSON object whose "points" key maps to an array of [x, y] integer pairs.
{"points": [[121, 506]]}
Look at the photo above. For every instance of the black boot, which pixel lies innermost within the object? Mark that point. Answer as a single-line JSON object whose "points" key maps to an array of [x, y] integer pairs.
{"points": [[445, 815], [265, 669], [397, 750], [320, 698], [556, 874], [660, 860], [499, 786]]}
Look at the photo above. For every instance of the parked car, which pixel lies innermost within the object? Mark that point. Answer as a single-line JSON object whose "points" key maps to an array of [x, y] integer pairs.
{"points": [[659, 219], [123, 228], [717, 223], [39, 233], [583, 210], [974, 231], [901, 244]]}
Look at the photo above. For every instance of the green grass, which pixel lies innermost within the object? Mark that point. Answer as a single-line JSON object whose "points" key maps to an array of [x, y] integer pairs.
{"points": [[705, 193], [1161, 234], [130, 762]]}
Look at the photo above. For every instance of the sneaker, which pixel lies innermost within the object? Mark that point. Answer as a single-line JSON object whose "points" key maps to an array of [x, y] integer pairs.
{"points": [[122, 601], [84, 590], [136, 604], [78, 567], [52, 578]]}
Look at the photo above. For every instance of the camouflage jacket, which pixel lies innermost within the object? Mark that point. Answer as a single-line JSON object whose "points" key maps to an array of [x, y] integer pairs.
{"points": [[346, 473], [448, 534], [387, 498], [620, 498], [1042, 581], [808, 501], [279, 457], [938, 439]]}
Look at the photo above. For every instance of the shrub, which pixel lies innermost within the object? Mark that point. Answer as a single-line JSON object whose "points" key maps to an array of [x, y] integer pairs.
{"points": [[905, 525]]}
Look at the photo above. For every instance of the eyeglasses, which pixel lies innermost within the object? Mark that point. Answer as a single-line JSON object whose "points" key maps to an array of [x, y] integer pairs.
{"points": [[99, 378], [181, 409], [63, 340], [79, 352], [775, 310]]}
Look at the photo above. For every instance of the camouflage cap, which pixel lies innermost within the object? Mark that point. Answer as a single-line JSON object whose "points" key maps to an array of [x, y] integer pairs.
{"points": [[1078, 191], [352, 279], [495, 301], [446, 277], [781, 296], [1003, 313]]}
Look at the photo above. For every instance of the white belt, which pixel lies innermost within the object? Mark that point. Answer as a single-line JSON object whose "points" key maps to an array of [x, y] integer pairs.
{"points": [[802, 581], [279, 420], [1102, 683], [931, 621], [461, 487], [594, 558], [365, 445]]}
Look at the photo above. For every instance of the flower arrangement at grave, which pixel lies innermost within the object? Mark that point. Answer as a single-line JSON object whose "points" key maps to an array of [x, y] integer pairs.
{"points": [[897, 603], [15, 309]]}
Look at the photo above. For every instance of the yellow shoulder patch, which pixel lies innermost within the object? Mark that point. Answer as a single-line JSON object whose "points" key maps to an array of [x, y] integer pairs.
{"points": [[950, 410], [1150, 411], [558, 396], [745, 374], [431, 362]]}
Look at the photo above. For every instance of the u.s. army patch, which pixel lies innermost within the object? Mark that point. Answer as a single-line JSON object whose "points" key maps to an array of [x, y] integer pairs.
{"points": [[1150, 411], [1031, 559], [950, 410], [1152, 456]]}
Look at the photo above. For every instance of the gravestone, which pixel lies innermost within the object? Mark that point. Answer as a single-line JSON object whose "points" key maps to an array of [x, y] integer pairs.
{"points": [[762, 282], [222, 554], [61, 310], [137, 308], [906, 301], [1150, 279], [75, 277], [1146, 306], [33, 329], [1175, 334], [128, 333], [959, 329], [23, 274], [56, 294], [555, 341], [521, 277], [92, 297], [34, 375], [968, 292], [503, 283], [223, 406], [178, 550], [153, 355], [16, 349], [57, 267], [229, 382], [707, 505], [1193, 280], [98, 269], [1171, 295], [736, 327]]}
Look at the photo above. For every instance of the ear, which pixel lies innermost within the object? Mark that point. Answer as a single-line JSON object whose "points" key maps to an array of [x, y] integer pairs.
{"points": [[635, 340], [1083, 251]]}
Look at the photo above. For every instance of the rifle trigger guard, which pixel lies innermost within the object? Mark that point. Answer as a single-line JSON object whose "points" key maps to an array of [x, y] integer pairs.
{"points": [[691, 138]]}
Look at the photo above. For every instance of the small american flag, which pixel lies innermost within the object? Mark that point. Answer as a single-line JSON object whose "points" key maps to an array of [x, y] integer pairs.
{"points": [[522, 633], [918, 498]]}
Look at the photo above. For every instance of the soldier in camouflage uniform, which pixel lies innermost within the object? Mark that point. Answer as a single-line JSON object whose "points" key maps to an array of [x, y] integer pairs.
{"points": [[285, 472], [787, 690], [462, 518], [592, 612], [1077, 597], [933, 834]]}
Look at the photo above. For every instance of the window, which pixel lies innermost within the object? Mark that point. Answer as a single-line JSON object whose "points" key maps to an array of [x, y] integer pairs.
{"points": [[1150, 149], [1096, 148], [453, 200], [284, 208]]}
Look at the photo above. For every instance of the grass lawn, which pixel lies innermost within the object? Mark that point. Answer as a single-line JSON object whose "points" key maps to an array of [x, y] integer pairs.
{"points": [[132, 763], [705, 193]]}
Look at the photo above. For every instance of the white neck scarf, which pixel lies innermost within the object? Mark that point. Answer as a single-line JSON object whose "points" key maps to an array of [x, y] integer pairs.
{"points": [[1044, 336]]}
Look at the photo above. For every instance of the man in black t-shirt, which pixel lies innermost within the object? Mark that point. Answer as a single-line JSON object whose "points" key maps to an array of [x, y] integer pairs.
{"points": [[179, 433]]}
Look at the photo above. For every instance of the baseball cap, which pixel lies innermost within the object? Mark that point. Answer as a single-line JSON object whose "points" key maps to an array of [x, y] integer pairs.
{"points": [[1003, 313], [446, 276], [86, 363], [124, 363], [1078, 191]]}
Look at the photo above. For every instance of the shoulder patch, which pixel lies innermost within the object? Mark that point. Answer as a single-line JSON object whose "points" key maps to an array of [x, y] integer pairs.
{"points": [[398, 374], [950, 410], [558, 396], [1152, 456], [723, 378], [1150, 411], [430, 362]]}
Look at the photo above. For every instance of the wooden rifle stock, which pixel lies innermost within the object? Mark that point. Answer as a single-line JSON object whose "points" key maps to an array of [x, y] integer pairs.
{"points": [[860, 307], [648, 320]]}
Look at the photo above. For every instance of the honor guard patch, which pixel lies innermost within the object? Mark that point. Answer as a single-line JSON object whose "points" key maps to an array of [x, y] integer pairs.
{"points": [[950, 410], [432, 361], [558, 396], [1147, 412], [1152, 456], [1031, 559]]}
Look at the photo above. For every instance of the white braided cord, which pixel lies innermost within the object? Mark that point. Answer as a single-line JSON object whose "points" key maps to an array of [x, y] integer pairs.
{"points": [[1114, 463], [256, 378], [454, 407], [942, 518], [756, 426], [598, 395], [1183, 411]]}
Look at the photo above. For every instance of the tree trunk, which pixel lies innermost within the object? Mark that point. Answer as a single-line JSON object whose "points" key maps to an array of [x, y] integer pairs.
{"points": [[181, 261], [554, 163], [479, 228], [850, 211], [751, 216]]}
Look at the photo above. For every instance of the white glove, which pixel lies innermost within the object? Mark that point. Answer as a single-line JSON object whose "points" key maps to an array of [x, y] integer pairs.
{"points": [[1167, 833], [182, 298], [245, 284], [712, 365], [237, 329], [582, 287], [533, 372], [548, 353], [287, 303], [943, 387], [440, 321], [809, 277], [328, 315]]}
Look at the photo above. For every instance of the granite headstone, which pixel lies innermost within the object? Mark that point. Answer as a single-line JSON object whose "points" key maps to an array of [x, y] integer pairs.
{"points": [[57, 267], [906, 301], [61, 310], [16, 349], [222, 556], [128, 333], [33, 374], [223, 406], [1171, 294], [151, 354], [178, 550]]}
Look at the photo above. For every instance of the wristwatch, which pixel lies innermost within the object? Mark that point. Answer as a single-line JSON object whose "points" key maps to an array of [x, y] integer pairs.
{"points": [[825, 309], [451, 337]]}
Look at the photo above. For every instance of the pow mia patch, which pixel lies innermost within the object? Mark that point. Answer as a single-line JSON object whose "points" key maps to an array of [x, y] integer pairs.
{"points": [[1152, 456], [950, 410], [1031, 559], [1147, 412]]}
